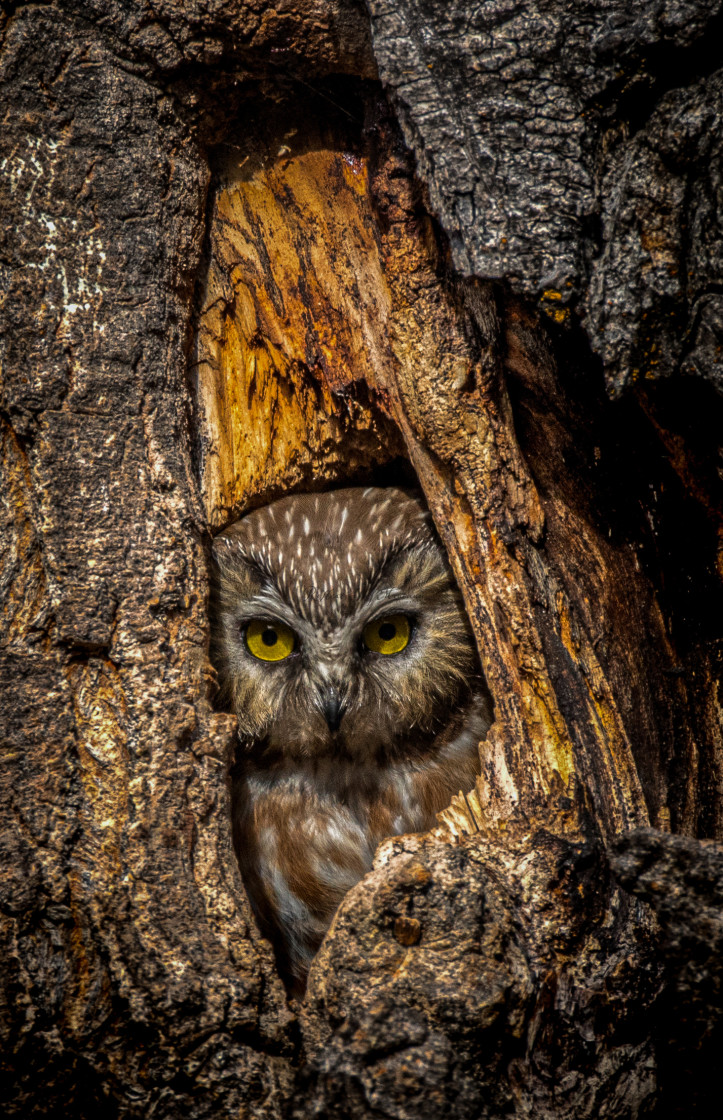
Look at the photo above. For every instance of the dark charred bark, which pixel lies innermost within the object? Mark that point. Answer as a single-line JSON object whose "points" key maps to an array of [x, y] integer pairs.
{"points": [[255, 248]]}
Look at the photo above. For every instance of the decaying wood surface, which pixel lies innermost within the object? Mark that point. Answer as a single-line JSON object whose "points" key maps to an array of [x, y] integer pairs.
{"points": [[294, 285], [223, 280]]}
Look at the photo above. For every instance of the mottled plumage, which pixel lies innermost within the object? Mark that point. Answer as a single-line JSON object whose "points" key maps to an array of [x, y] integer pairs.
{"points": [[342, 744]]}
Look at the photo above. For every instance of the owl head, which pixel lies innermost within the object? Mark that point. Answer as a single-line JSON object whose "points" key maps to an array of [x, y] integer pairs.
{"points": [[339, 631]]}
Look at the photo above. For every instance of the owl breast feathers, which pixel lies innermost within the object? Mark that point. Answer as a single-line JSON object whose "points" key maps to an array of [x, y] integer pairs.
{"points": [[343, 648]]}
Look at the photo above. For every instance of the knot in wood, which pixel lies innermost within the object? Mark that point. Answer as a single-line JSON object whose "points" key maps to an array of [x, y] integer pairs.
{"points": [[407, 931]]}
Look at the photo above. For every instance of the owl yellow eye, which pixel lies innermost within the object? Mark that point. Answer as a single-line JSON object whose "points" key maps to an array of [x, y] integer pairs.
{"points": [[269, 641], [387, 635]]}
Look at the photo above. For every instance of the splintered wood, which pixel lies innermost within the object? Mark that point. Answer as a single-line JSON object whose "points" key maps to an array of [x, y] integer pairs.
{"points": [[292, 336]]}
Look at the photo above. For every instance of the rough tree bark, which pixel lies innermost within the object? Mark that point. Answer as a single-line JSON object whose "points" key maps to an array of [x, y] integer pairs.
{"points": [[252, 248]]}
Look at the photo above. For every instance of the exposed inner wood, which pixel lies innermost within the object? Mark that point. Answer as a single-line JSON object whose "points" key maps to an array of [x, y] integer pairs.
{"points": [[332, 338], [293, 337]]}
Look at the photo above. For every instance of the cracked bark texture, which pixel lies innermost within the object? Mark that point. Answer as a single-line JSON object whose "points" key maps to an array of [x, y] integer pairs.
{"points": [[570, 151], [249, 248]]}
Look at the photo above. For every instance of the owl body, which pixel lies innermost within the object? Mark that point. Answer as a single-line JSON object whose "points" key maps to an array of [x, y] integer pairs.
{"points": [[344, 649]]}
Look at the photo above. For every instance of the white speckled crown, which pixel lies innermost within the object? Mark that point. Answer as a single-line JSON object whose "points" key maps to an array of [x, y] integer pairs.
{"points": [[324, 551]]}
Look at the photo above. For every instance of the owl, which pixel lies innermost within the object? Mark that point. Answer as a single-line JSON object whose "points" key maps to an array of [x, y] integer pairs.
{"points": [[342, 646]]}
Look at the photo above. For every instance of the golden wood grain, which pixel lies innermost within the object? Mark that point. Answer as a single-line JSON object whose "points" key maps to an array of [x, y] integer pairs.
{"points": [[293, 331]]}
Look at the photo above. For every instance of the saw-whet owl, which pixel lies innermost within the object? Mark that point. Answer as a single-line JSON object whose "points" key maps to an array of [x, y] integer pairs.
{"points": [[343, 648]]}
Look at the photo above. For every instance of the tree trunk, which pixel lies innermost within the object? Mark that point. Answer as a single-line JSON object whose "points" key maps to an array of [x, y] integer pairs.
{"points": [[252, 249]]}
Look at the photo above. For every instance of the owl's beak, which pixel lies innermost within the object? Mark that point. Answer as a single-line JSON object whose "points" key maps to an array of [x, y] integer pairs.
{"points": [[333, 707]]}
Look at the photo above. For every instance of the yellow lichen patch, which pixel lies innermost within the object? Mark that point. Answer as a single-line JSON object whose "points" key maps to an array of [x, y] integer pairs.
{"points": [[613, 751], [22, 577], [556, 313], [294, 320]]}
